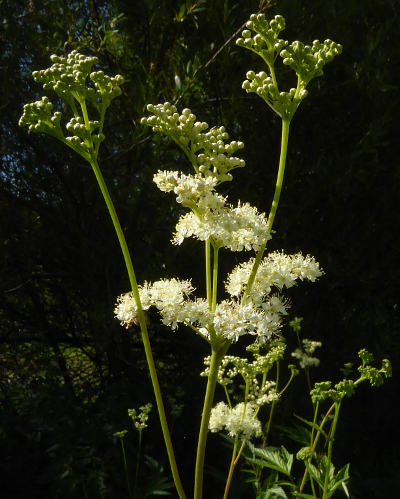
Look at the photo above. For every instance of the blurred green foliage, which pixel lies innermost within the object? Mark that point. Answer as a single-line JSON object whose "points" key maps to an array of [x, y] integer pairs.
{"points": [[68, 372]]}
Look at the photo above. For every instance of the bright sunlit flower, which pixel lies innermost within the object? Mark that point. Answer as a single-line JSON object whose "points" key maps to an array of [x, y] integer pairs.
{"points": [[240, 420]]}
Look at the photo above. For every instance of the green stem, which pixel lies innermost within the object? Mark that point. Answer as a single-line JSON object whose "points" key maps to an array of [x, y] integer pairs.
{"points": [[281, 173], [208, 273], [274, 206], [231, 468], [314, 444], [143, 326], [128, 484], [138, 461], [330, 445], [234, 461], [217, 355], [215, 278]]}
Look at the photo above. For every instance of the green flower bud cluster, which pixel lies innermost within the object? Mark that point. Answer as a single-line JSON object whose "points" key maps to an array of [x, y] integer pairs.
{"points": [[304, 454], [283, 103], [232, 366], [376, 376], [68, 78], [82, 137], [106, 87], [295, 324], [345, 388], [306, 61], [120, 434], [372, 374], [266, 42], [205, 148], [140, 418], [40, 119], [66, 75]]}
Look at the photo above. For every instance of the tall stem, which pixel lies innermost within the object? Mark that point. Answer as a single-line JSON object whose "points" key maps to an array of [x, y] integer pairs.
{"points": [[128, 483], [330, 445], [215, 278], [314, 444], [217, 355], [275, 202], [234, 461], [208, 273], [143, 326]]}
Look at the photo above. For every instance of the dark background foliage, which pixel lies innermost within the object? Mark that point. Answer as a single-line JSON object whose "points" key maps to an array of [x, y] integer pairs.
{"points": [[68, 372]]}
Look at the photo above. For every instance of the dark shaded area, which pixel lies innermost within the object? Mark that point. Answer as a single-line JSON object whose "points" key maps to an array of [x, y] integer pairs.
{"points": [[68, 372]]}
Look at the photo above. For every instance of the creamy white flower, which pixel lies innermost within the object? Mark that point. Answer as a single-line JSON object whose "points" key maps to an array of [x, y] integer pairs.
{"points": [[195, 312], [167, 295], [126, 310], [310, 346], [240, 228], [240, 420], [231, 320], [304, 359], [190, 189], [276, 270]]}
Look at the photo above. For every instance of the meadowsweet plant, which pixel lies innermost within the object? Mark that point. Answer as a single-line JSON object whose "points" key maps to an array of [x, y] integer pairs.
{"points": [[254, 304], [139, 420], [83, 98]]}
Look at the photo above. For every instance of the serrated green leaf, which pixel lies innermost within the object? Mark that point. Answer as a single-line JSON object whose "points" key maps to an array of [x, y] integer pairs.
{"points": [[339, 479], [274, 493], [316, 474], [276, 459]]}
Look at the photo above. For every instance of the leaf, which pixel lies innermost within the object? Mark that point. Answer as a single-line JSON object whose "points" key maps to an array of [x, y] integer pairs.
{"points": [[274, 493], [178, 82], [276, 459], [312, 424], [339, 479], [296, 433], [304, 496]]}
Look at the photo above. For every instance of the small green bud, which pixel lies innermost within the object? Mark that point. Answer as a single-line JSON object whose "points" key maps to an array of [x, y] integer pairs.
{"points": [[365, 356], [120, 434], [304, 454]]}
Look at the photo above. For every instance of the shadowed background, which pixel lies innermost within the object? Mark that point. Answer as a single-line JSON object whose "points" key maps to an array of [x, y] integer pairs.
{"points": [[68, 371]]}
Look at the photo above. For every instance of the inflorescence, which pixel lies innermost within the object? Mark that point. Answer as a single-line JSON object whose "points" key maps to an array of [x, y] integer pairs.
{"points": [[307, 61], [74, 82]]}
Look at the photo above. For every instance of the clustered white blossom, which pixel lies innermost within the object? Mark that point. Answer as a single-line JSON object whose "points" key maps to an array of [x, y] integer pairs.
{"points": [[191, 190], [240, 420], [305, 356], [236, 228], [276, 270], [229, 320]]}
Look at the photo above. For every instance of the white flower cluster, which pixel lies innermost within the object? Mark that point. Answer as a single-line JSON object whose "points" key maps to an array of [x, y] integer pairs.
{"points": [[165, 294], [305, 356], [230, 320], [240, 420], [193, 191], [237, 228], [276, 270]]}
